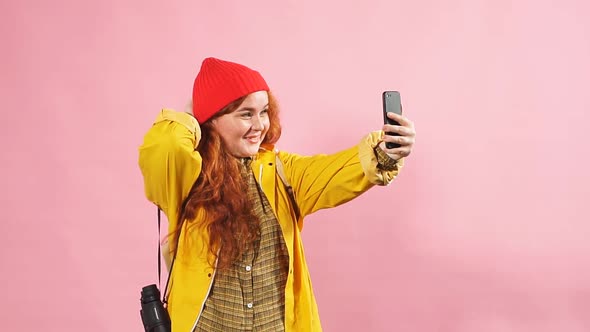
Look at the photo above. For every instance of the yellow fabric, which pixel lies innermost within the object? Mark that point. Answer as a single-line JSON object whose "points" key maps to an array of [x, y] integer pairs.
{"points": [[170, 165]]}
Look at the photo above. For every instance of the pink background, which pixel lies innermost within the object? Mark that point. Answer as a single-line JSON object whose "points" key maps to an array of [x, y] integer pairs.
{"points": [[485, 230]]}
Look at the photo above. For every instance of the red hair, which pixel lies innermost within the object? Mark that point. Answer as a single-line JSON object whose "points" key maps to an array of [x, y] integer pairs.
{"points": [[219, 192]]}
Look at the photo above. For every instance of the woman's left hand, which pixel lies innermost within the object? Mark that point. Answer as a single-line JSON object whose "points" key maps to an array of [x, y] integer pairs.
{"points": [[406, 138]]}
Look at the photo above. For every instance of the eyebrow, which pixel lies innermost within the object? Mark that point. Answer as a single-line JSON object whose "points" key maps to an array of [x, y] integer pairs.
{"points": [[251, 109]]}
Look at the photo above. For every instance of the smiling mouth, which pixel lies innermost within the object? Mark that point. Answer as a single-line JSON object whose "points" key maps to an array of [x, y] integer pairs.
{"points": [[253, 139]]}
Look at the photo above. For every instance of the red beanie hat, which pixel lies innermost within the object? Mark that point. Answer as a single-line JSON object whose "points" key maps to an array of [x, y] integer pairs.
{"points": [[221, 82]]}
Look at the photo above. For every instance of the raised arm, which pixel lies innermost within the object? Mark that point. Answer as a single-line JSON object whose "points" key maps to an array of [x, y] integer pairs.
{"points": [[324, 181], [169, 162]]}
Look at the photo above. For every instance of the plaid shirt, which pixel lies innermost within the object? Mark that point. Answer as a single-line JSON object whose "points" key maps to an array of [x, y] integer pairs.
{"points": [[250, 296]]}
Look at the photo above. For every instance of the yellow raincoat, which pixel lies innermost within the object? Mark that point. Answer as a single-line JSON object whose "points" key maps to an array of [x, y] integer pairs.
{"points": [[170, 166]]}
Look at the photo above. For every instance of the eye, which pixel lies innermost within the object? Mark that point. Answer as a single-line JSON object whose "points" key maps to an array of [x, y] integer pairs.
{"points": [[265, 111], [246, 115]]}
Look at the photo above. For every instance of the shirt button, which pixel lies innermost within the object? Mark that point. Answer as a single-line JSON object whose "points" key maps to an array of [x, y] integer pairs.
{"points": [[249, 305], [248, 268]]}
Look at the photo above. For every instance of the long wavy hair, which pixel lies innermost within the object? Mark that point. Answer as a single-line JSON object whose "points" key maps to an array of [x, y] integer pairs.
{"points": [[220, 192]]}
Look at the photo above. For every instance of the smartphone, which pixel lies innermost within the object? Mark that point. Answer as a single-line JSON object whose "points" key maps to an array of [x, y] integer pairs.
{"points": [[392, 102]]}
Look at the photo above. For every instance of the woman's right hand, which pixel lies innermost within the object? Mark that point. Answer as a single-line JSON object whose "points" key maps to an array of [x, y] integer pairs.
{"points": [[188, 108]]}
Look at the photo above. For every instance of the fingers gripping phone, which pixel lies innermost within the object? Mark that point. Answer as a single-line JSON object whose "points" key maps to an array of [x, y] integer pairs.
{"points": [[391, 103]]}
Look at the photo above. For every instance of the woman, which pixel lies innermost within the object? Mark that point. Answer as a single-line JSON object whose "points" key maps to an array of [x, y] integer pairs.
{"points": [[235, 224]]}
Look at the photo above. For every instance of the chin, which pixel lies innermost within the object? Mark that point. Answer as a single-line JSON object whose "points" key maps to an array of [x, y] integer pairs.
{"points": [[255, 151], [247, 153]]}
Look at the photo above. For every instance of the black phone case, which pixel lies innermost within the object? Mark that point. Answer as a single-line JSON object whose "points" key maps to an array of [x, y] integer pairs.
{"points": [[391, 103]]}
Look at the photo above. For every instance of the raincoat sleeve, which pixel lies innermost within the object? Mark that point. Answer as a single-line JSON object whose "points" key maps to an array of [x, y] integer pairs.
{"points": [[328, 180], [169, 161]]}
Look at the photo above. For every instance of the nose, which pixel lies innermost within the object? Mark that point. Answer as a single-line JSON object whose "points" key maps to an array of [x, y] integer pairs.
{"points": [[257, 123]]}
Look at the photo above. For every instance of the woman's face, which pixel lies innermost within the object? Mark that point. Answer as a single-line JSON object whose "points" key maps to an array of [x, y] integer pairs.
{"points": [[243, 130]]}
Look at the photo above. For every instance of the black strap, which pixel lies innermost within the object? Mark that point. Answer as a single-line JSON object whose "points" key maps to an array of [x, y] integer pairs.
{"points": [[165, 293], [159, 253], [291, 194], [293, 201]]}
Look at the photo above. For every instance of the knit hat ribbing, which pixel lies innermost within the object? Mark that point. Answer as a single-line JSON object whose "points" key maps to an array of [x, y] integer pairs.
{"points": [[220, 82]]}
